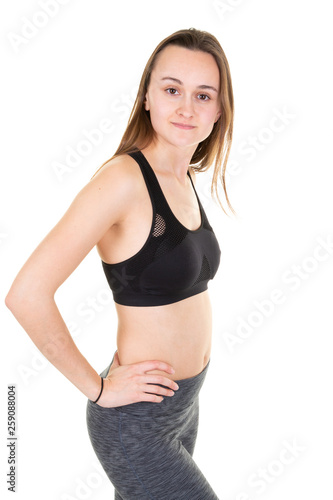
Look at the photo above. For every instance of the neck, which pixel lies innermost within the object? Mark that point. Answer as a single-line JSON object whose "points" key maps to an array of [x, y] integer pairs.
{"points": [[170, 160]]}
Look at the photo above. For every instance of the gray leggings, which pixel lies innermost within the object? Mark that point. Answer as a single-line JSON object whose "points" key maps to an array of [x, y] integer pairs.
{"points": [[146, 448]]}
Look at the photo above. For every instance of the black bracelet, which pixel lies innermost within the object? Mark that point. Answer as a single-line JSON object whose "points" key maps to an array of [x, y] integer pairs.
{"points": [[100, 392]]}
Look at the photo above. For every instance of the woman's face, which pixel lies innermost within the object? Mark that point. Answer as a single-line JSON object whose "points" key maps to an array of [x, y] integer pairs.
{"points": [[182, 96]]}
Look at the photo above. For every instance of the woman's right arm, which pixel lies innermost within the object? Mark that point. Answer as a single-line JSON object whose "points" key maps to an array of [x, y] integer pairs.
{"points": [[103, 202]]}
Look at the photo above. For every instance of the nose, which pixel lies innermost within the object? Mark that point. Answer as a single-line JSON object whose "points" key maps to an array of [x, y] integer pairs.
{"points": [[185, 108]]}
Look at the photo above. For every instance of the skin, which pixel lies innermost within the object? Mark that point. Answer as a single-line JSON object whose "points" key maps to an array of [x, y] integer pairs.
{"points": [[155, 345]]}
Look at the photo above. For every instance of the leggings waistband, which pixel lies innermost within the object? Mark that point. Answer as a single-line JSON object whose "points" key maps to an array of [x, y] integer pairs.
{"points": [[188, 392]]}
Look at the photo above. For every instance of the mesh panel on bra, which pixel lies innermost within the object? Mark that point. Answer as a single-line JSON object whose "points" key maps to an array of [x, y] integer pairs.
{"points": [[159, 226]]}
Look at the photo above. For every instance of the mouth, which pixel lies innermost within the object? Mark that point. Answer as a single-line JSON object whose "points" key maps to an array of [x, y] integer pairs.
{"points": [[183, 126]]}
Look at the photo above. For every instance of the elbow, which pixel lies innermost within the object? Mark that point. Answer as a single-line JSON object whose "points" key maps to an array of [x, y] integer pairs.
{"points": [[13, 299], [28, 295], [19, 300], [10, 300]]}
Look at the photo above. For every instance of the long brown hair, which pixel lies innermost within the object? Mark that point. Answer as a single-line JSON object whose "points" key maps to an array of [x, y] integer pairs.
{"points": [[216, 147]]}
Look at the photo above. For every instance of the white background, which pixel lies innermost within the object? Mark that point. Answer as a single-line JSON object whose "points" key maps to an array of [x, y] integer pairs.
{"points": [[269, 386]]}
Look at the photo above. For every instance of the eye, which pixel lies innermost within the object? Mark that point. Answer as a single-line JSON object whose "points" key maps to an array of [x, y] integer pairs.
{"points": [[172, 90], [206, 97]]}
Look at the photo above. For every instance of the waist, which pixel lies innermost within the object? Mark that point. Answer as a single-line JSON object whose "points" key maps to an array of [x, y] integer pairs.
{"points": [[179, 334], [170, 407]]}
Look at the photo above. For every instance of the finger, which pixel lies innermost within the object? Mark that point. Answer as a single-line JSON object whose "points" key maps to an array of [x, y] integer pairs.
{"points": [[156, 389], [152, 398], [159, 379], [150, 365]]}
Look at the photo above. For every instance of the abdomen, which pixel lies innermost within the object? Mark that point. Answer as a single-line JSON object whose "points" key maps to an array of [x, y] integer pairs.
{"points": [[177, 333]]}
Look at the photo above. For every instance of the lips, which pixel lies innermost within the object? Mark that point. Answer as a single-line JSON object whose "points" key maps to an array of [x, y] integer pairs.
{"points": [[184, 126]]}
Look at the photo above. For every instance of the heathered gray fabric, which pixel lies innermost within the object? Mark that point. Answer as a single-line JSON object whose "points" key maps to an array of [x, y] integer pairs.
{"points": [[146, 448]]}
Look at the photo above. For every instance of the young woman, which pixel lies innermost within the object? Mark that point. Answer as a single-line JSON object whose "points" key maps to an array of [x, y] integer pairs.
{"points": [[158, 252]]}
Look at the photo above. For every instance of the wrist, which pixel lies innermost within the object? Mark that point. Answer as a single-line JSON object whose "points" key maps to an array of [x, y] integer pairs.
{"points": [[100, 390]]}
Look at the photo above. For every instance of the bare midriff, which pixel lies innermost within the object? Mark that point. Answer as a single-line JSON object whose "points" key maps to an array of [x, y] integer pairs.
{"points": [[178, 333]]}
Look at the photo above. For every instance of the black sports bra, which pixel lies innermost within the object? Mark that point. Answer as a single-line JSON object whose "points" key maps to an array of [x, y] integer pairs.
{"points": [[173, 264]]}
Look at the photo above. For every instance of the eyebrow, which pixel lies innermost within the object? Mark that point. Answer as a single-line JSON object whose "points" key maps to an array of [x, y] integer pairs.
{"points": [[181, 83]]}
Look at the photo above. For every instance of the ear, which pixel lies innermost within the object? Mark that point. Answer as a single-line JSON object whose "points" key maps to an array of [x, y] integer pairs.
{"points": [[146, 104], [218, 116]]}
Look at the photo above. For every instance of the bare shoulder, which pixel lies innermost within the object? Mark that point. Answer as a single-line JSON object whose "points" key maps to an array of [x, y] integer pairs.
{"points": [[121, 168], [117, 184]]}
